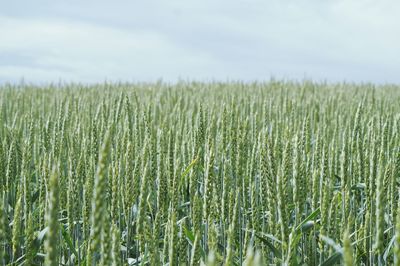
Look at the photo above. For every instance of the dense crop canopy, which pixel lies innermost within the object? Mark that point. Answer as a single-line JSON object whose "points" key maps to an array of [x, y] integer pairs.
{"points": [[213, 173]]}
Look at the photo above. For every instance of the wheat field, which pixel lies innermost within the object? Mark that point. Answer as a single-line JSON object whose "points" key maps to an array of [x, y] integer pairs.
{"points": [[230, 173]]}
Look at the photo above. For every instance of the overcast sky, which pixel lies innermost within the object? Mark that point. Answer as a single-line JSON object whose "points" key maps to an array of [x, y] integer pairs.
{"points": [[93, 41]]}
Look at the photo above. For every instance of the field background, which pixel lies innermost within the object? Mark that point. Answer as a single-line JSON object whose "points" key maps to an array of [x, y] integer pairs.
{"points": [[295, 173]]}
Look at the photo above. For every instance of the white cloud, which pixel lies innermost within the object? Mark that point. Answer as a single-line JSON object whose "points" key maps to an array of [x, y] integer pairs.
{"points": [[129, 40], [86, 52]]}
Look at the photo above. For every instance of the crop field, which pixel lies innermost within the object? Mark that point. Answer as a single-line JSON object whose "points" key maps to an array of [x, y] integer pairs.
{"points": [[275, 173]]}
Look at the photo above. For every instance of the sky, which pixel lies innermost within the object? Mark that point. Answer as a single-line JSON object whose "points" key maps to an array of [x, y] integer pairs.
{"points": [[92, 41]]}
